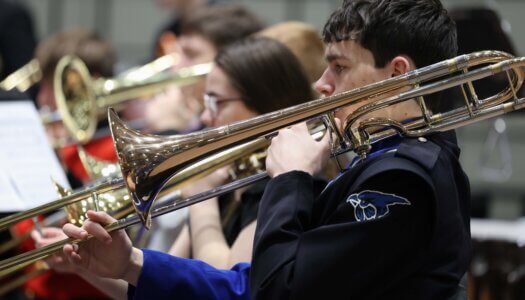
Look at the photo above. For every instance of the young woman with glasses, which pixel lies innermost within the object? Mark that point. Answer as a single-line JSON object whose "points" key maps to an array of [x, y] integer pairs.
{"points": [[252, 77]]}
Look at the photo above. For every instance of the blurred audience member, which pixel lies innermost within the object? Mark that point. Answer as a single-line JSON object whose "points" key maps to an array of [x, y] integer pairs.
{"points": [[479, 29], [305, 43], [165, 39], [482, 29], [494, 271], [203, 33], [99, 57], [17, 42]]}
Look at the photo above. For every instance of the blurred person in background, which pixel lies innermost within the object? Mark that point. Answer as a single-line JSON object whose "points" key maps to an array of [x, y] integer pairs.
{"points": [[305, 43], [204, 32], [99, 57], [494, 262], [165, 40], [255, 76], [17, 42]]}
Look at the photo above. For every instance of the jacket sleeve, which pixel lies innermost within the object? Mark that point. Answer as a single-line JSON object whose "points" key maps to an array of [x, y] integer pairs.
{"points": [[165, 276], [297, 258]]}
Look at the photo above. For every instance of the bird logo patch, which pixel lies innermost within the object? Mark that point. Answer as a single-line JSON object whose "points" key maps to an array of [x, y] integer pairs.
{"points": [[371, 205]]}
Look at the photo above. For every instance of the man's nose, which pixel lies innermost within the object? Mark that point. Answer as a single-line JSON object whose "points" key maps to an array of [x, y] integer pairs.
{"points": [[323, 85]]}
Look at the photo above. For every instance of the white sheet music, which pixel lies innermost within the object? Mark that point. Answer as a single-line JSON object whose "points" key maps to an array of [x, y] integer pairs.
{"points": [[27, 161]]}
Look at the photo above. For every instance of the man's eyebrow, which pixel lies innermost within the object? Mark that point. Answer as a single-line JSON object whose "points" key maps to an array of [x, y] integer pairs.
{"points": [[332, 56]]}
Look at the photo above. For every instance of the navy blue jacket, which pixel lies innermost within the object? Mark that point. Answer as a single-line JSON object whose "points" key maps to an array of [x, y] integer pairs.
{"points": [[394, 226]]}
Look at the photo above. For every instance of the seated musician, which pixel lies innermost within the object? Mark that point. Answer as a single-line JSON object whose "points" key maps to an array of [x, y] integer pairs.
{"points": [[165, 39], [99, 57], [391, 226], [305, 43], [203, 33], [244, 82], [17, 44], [238, 88], [238, 216]]}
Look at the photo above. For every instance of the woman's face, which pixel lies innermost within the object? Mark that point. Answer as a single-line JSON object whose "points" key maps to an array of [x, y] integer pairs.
{"points": [[223, 103]]}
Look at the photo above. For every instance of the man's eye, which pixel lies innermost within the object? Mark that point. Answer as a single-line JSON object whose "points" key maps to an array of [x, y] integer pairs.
{"points": [[338, 69]]}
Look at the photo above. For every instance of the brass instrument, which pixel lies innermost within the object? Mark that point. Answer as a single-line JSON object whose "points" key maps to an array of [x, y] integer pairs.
{"points": [[39, 268], [81, 101], [31, 73], [113, 194], [118, 202], [95, 168], [148, 162], [23, 78]]}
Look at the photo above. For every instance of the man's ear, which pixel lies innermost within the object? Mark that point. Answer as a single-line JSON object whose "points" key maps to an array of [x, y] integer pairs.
{"points": [[401, 64]]}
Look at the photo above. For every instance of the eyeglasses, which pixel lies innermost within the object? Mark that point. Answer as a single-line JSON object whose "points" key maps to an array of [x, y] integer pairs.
{"points": [[212, 102]]}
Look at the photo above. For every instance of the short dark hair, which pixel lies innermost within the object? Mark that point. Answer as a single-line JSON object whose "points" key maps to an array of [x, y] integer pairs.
{"points": [[420, 29], [266, 73], [222, 24]]}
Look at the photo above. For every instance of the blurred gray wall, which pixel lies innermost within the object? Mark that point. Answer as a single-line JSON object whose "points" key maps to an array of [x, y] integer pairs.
{"points": [[131, 25]]}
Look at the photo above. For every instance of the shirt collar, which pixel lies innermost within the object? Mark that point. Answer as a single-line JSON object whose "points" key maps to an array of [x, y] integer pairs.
{"points": [[385, 145]]}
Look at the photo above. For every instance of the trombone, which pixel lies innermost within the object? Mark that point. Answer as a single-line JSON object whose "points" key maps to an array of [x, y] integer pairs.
{"points": [[31, 73], [247, 159], [82, 101], [148, 162]]}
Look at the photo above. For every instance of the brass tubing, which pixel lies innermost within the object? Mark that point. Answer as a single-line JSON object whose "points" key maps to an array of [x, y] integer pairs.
{"points": [[15, 263], [103, 188]]}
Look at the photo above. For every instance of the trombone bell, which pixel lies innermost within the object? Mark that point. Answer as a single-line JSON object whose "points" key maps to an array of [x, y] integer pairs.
{"points": [[75, 98], [81, 100]]}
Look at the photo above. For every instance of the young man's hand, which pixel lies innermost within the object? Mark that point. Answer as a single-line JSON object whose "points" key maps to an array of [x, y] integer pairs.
{"points": [[295, 149], [107, 255]]}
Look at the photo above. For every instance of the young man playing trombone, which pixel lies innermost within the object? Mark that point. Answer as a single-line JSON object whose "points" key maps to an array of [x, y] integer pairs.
{"points": [[393, 225]]}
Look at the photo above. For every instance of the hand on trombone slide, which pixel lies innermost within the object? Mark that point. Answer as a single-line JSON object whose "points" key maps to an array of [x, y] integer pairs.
{"points": [[50, 235], [107, 255]]}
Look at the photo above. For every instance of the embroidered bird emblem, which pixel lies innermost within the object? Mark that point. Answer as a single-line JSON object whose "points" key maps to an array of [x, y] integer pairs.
{"points": [[370, 205]]}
